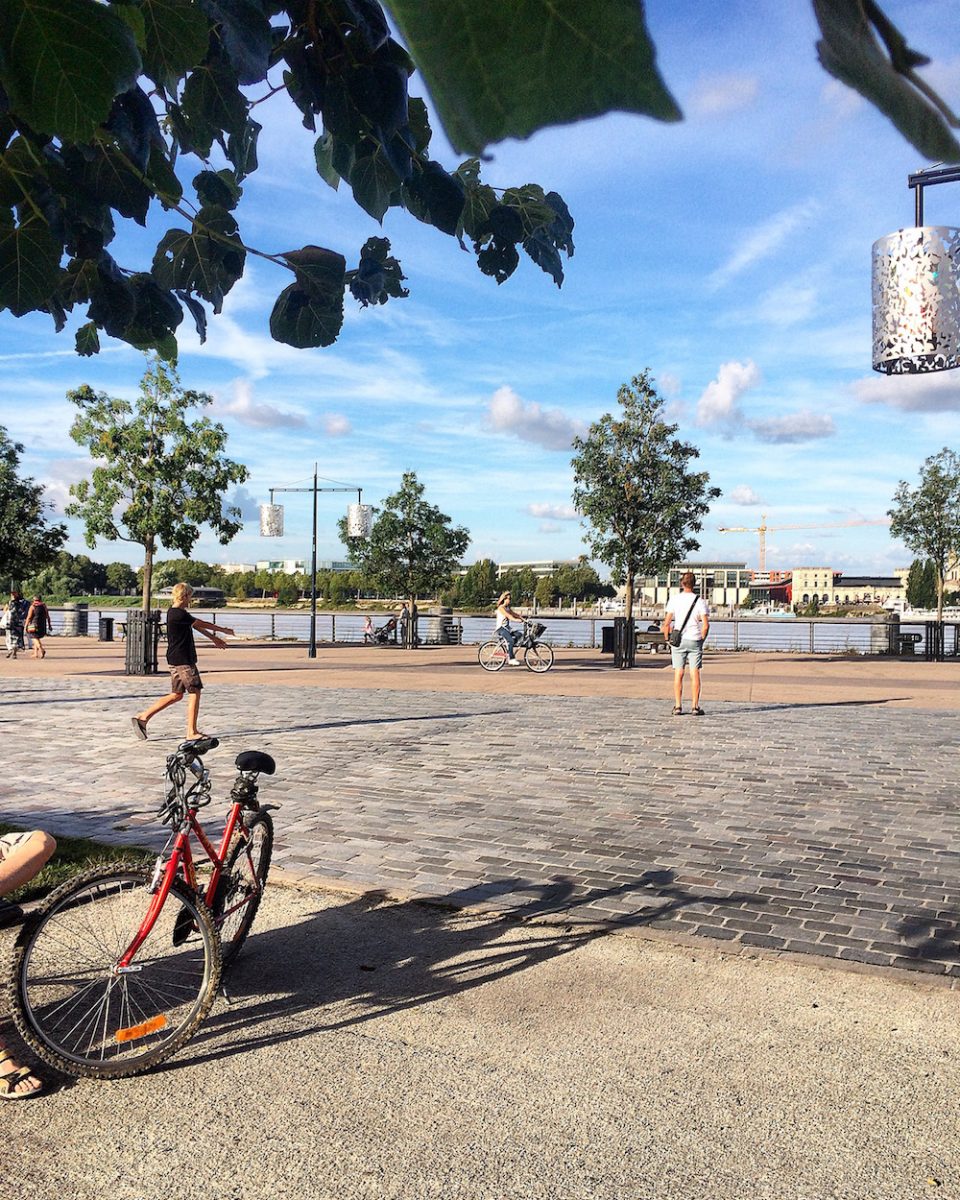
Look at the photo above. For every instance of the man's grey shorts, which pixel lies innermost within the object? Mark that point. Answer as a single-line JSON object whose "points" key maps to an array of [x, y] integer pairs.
{"points": [[688, 653]]}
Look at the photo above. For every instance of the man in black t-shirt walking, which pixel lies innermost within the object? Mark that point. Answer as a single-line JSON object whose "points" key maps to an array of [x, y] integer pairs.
{"points": [[182, 660]]}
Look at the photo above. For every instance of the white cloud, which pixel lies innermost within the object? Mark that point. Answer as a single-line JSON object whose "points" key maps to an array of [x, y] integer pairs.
{"points": [[62, 473], [765, 240], [249, 505], [547, 427], [716, 95], [548, 527], [553, 512], [336, 425], [937, 392], [248, 411], [802, 426], [719, 406], [744, 495], [668, 384]]}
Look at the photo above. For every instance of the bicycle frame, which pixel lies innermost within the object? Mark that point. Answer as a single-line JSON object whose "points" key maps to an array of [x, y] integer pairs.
{"points": [[181, 861]]}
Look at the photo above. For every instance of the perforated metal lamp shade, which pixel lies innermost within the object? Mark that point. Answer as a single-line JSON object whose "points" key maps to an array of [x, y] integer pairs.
{"points": [[916, 300], [271, 520], [359, 520]]}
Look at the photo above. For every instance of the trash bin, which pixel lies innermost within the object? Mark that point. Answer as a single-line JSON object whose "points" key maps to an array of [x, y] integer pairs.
{"points": [[143, 634], [106, 629], [606, 639]]}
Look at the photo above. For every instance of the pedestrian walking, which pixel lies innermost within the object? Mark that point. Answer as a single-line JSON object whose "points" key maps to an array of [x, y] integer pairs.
{"points": [[182, 660], [685, 626], [37, 625], [15, 612]]}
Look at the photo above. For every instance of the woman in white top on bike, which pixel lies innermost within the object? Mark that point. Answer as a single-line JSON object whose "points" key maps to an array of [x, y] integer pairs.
{"points": [[505, 615]]}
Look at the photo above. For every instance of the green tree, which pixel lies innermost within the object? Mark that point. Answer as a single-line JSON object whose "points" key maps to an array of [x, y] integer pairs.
{"points": [[28, 542], [121, 578], [927, 518], [413, 549], [478, 587], [159, 475], [109, 109], [181, 570], [632, 484], [546, 591]]}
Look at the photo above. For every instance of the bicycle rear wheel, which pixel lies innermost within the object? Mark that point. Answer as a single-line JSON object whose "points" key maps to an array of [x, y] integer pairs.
{"points": [[538, 657], [492, 655], [76, 1010], [240, 890]]}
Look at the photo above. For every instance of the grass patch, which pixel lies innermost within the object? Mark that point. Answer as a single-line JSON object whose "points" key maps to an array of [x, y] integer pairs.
{"points": [[72, 856]]}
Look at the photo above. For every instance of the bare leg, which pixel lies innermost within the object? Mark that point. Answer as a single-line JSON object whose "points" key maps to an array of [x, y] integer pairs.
{"points": [[193, 711], [695, 681], [9, 1066], [678, 688], [38, 650], [26, 861], [159, 706]]}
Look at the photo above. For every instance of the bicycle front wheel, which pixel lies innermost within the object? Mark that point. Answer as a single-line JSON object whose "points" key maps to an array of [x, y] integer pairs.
{"points": [[240, 890], [492, 655], [538, 657], [84, 1015]]}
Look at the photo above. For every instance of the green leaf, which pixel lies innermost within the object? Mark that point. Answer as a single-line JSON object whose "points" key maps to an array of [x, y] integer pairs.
{"points": [[63, 63], [162, 177], [851, 53], [218, 187], [212, 102], [29, 266], [133, 16], [177, 36], [318, 270], [323, 153], [498, 70], [207, 260], [88, 340], [373, 182], [304, 319]]}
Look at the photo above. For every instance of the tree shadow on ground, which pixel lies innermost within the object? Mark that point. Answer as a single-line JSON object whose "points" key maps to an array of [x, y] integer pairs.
{"points": [[382, 957]]}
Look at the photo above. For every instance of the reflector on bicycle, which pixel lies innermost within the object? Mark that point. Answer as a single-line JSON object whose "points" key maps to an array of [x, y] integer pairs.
{"points": [[144, 1029]]}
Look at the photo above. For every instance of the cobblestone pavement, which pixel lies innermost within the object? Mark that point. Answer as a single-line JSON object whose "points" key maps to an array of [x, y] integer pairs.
{"points": [[825, 829]]}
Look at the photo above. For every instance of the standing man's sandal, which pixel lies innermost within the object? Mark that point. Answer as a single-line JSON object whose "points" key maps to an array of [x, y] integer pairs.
{"points": [[697, 712], [678, 712]]}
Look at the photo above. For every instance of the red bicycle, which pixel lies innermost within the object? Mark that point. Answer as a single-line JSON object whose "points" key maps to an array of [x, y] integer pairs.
{"points": [[116, 969]]}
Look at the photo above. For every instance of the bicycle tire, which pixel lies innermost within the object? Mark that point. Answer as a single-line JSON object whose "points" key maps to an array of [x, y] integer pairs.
{"points": [[237, 883], [492, 655], [538, 657], [79, 1016]]}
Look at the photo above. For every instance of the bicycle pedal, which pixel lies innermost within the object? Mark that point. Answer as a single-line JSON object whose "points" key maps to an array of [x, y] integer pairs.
{"points": [[224, 993]]}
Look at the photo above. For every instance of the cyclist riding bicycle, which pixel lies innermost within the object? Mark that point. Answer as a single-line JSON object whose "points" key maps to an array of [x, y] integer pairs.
{"points": [[505, 615]]}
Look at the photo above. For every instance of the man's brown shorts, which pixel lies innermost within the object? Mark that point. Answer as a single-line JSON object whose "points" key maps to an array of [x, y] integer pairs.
{"points": [[185, 679]]}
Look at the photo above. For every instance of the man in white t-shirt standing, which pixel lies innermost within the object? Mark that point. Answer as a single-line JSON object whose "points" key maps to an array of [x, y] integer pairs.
{"points": [[688, 613]]}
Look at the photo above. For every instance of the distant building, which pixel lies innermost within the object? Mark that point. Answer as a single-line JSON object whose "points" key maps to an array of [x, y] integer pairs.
{"points": [[237, 568], [540, 569], [833, 587], [284, 566], [719, 583]]}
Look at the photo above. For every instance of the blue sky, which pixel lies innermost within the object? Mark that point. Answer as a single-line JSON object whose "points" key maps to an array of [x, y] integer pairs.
{"points": [[730, 254]]}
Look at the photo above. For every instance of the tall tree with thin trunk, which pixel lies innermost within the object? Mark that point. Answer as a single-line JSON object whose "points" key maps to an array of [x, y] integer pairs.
{"points": [[640, 502], [158, 475], [927, 518], [413, 549]]}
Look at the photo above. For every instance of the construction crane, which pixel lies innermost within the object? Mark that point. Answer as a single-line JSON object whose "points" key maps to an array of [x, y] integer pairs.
{"points": [[763, 529]]}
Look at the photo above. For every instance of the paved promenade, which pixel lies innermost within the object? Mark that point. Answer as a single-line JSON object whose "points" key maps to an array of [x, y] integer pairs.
{"points": [[813, 810]]}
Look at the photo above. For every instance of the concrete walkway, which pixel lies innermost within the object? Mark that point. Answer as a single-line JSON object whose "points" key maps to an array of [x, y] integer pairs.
{"points": [[812, 811]]}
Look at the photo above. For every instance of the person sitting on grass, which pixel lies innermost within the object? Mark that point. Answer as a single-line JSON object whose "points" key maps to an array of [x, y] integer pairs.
{"points": [[182, 660], [22, 856]]}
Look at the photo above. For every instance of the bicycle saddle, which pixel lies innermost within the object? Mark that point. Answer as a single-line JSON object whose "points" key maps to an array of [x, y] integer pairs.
{"points": [[255, 760]]}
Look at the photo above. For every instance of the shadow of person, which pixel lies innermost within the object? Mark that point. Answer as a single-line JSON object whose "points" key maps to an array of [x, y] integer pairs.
{"points": [[355, 962]]}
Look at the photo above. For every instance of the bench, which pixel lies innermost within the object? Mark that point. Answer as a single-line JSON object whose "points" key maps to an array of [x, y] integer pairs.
{"points": [[652, 639]]}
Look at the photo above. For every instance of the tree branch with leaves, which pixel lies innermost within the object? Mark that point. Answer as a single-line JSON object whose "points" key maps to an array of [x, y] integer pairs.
{"points": [[927, 518]]}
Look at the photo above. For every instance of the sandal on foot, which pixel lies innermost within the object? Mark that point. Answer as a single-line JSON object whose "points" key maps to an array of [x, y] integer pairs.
{"points": [[678, 711], [139, 728], [11, 1080], [696, 712]]}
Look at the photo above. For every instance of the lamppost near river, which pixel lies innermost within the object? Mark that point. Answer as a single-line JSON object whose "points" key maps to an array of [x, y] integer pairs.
{"points": [[271, 525]]}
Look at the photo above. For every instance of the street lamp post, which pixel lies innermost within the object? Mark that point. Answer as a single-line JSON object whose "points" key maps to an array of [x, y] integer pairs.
{"points": [[271, 525]]}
